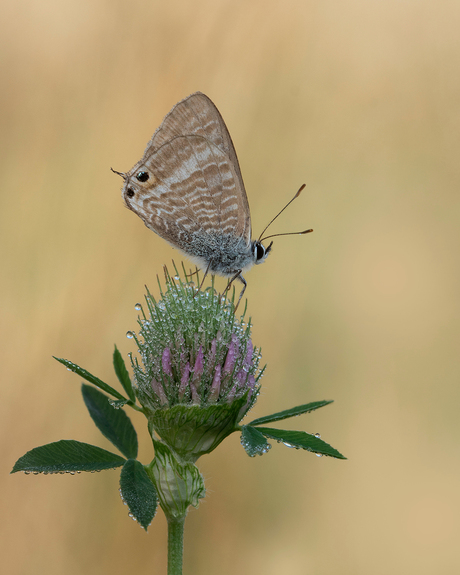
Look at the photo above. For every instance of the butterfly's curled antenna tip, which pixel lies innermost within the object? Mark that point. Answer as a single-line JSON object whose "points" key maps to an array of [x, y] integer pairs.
{"points": [[122, 174], [299, 191], [306, 231]]}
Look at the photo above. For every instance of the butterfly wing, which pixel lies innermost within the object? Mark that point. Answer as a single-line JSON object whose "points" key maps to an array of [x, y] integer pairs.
{"points": [[195, 169], [191, 188], [196, 115]]}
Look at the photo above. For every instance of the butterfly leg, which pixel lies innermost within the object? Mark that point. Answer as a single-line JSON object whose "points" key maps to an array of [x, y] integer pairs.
{"points": [[193, 273], [245, 285], [242, 280]]}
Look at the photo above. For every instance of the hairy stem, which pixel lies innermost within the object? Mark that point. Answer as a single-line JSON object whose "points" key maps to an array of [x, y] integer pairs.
{"points": [[175, 545]]}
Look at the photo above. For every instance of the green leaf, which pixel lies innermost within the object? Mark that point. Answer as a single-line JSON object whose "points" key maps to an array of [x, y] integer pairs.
{"points": [[91, 378], [138, 492], [123, 375], [301, 440], [113, 423], [67, 456], [253, 441], [306, 408]]}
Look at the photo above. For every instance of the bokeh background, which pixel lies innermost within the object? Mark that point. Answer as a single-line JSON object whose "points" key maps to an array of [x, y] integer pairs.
{"points": [[358, 99]]}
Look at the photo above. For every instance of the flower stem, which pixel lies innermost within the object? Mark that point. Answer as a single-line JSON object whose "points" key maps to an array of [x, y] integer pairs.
{"points": [[175, 545]]}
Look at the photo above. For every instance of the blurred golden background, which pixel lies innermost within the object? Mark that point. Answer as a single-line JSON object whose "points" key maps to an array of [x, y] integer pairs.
{"points": [[361, 101]]}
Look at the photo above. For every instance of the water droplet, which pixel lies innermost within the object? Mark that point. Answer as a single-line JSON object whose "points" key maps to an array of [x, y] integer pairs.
{"points": [[138, 307], [318, 435], [129, 334], [319, 454]]}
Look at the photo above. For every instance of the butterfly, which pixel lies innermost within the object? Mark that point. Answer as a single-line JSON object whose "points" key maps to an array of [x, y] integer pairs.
{"points": [[188, 189]]}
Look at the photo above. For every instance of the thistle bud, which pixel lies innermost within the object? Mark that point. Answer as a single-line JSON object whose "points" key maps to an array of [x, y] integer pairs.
{"points": [[198, 373]]}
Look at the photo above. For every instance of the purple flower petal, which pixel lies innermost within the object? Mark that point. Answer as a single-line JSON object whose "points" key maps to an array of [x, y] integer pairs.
{"points": [[241, 378], [195, 396], [231, 394], [166, 361], [198, 368], [184, 380], [159, 392], [231, 355], [211, 359], [249, 352], [215, 387]]}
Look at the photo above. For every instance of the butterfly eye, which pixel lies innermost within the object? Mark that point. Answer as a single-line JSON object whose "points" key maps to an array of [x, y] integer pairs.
{"points": [[130, 192], [259, 251], [142, 176]]}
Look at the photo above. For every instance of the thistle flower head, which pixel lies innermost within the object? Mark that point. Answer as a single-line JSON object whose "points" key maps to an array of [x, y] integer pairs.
{"points": [[194, 353]]}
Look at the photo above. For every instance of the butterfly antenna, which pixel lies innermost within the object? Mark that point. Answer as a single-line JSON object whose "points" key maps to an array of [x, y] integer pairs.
{"points": [[288, 234], [277, 215], [122, 174]]}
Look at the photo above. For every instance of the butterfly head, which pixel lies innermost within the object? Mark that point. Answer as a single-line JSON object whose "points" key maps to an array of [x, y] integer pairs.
{"points": [[260, 252]]}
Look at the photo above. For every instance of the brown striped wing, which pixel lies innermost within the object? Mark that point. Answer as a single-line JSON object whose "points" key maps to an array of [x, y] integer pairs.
{"points": [[192, 187], [197, 183]]}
